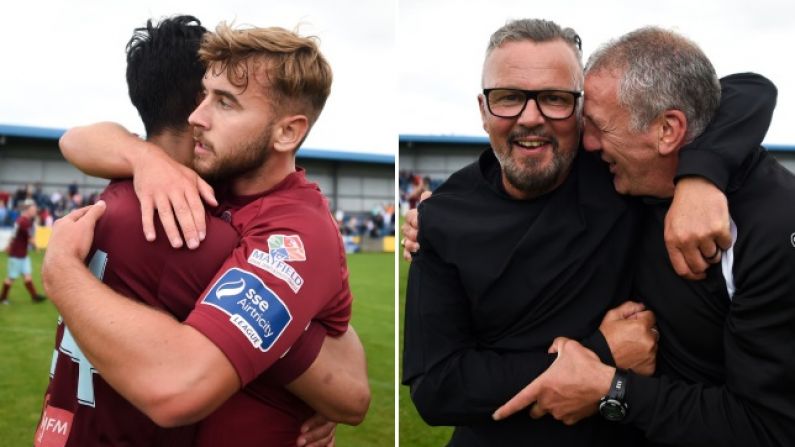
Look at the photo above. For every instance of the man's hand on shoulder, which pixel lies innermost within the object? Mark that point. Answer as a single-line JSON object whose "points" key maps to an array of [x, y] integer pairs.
{"points": [[696, 227], [409, 230], [176, 192]]}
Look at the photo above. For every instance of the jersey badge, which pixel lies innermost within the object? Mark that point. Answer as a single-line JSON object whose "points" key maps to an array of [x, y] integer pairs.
{"points": [[253, 308], [54, 427], [276, 267], [286, 247]]}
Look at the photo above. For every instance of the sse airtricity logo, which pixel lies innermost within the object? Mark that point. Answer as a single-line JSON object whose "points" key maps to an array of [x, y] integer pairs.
{"points": [[253, 308], [230, 288]]}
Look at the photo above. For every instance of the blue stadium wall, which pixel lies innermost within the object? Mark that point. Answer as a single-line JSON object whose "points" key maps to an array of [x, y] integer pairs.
{"points": [[354, 182]]}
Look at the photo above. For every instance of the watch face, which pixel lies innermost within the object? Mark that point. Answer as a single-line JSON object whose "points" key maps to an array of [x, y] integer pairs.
{"points": [[612, 410]]}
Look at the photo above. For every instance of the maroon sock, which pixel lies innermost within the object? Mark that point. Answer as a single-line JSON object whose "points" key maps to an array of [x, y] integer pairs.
{"points": [[31, 288], [6, 288]]}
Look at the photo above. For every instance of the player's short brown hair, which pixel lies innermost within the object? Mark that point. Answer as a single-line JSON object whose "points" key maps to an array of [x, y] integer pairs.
{"points": [[297, 74]]}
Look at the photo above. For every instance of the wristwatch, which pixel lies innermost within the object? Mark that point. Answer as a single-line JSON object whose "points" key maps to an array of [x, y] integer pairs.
{"points": [[613, 406]]}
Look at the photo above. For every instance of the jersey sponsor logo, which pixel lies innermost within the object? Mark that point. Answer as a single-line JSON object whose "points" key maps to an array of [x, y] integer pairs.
{"points": [[254, 309], [286, 247], [230, 288], [54, 427], [278, 268], [792, 239]]}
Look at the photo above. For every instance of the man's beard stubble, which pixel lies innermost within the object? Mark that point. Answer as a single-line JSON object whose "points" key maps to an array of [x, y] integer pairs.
{"points": [[527, 176], [235, 163]]}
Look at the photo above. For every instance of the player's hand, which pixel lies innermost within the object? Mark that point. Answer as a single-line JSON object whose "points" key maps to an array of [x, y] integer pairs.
{"points": [[409, 230], [317, 431], [70, 241], [73, 234], [696, 227], [632, 335], [176, 192], [569, 389]]}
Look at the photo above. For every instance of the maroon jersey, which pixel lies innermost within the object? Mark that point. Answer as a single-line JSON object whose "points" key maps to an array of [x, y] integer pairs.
{"points": [[288, 270], [81, 409], [18, 247]]}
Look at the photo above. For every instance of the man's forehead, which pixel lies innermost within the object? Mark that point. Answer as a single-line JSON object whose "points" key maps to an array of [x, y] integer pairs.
{"points": [[241, 88], [601, 103], [551, 64]]}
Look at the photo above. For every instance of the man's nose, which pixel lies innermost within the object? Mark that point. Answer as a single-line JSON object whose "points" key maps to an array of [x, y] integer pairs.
{"points": [[531, 116], [199, 117]]}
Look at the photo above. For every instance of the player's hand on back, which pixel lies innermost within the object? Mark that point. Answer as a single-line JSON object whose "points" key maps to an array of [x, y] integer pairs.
{"points": [[176, 193], [71, 239], [317, 431], [696, 227]]}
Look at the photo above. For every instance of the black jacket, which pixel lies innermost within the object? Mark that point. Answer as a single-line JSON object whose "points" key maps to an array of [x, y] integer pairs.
{"points": [[497, 279], [726, 363]]}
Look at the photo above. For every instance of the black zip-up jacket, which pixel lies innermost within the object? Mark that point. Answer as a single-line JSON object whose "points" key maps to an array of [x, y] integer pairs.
{"points": [[726, 359]]}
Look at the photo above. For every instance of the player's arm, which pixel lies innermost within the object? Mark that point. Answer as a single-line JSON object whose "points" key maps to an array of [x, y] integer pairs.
{"points": [[131, 344], [697, 223], [335, 384], [108, 150], [105, 150], [168, 370]]}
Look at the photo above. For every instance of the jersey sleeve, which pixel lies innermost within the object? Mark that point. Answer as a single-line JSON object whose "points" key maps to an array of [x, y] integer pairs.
{"points": [[286, 272], [740, 124], [300, 357]]}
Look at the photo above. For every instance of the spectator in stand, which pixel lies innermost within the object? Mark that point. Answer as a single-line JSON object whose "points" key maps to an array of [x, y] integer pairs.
{"points": [[73, 189], [414, 196], [3, 213]]}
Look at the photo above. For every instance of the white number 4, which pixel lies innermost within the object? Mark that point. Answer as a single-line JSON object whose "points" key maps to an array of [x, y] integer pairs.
{"points": [[86, 371]]}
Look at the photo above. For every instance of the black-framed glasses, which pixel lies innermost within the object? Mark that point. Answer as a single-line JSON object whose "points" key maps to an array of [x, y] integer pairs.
{"points": [[511, 102]]}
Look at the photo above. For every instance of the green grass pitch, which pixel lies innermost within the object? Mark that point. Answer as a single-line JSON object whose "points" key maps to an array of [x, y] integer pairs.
{"points": [[27, 340]]}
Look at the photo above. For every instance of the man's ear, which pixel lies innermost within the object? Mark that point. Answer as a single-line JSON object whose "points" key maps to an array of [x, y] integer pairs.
{"points": [[482, 107], [289, 132], [672, 132]]}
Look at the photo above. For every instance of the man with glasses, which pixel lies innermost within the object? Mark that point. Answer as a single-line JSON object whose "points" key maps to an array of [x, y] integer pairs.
{"points": [[726, 369], [527, 244]]}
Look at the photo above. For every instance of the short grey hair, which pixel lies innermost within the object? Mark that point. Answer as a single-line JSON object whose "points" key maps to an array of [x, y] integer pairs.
{"points": [[540, 30], [660, 70]]}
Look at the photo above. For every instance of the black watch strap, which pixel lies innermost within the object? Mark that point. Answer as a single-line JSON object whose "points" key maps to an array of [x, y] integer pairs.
{"points": [[613, 406], [618, 388]]}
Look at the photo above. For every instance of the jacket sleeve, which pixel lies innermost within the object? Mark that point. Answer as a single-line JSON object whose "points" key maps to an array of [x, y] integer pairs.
{"points": [[735, 132], [453, 381], [756, 404], [454, 378]]}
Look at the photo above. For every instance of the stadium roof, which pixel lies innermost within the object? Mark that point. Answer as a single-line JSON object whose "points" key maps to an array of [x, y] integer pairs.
{"points": [[316, 154], [463, 139]]}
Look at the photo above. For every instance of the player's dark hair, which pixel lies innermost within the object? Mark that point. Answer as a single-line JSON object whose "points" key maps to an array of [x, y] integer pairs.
{"points": [[164, 72]]}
